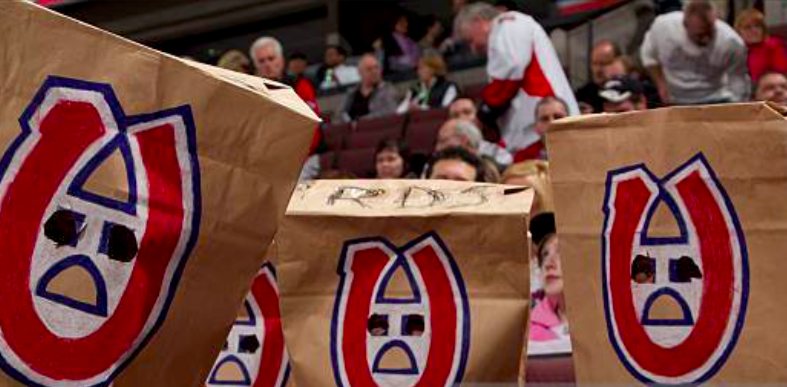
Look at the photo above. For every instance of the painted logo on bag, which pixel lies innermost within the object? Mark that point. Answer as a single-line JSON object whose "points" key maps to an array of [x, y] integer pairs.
{"points": [[383, 338], [675, 305], [88, 272], [254, 354]]}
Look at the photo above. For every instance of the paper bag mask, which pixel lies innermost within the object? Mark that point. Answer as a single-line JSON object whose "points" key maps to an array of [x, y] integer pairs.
{"points": [[671, 235], [137, 195], [404, 282], [254, 354]]}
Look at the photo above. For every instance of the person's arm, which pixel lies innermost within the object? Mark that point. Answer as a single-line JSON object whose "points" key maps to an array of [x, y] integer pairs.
{"points": [[738, 73], [650, 60], [509, 54], [779, 57]]}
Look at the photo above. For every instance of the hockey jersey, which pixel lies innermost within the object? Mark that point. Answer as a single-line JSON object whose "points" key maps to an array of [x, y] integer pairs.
{"points": [[523, 67]]}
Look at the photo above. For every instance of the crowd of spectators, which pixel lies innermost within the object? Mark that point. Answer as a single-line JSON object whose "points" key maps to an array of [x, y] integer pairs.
{"points": [[687, 57]]}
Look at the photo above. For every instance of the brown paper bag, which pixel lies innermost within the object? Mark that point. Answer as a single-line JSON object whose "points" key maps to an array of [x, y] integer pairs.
{"points": [[254, 354], [403, 282], [672, 231], [138, 193]]}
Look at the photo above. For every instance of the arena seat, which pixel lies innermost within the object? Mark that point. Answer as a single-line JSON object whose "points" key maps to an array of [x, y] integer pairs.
{"points": [[550, 370], [335, 135], [384, 122], [328, 160], [358, 161], [421, 136], [440, 115], [371, 138]]}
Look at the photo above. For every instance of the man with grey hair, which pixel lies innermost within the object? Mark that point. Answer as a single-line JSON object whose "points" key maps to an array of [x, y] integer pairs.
{"points": [[268, 56], [523, 67], [694, 58], [459, 133], [373, 97]]}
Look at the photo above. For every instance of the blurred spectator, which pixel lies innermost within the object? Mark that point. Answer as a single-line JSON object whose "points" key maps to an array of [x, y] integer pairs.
{"points": [[522, 65], [466, 135], [625, 66], [620, 66], [334, 72], [603, 55], [772, 87], [430, 43], [766, 53], [547, 110], [548, 322], [392, 160], [694, 58], [372, 97], [268, 58], [623, 94], [463, 109], [455, 164], [400, 52], [433, 90], [235, 60], [297, 64]]}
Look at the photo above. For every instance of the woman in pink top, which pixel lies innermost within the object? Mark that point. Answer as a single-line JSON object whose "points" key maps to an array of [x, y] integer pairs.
{"points": [[766, 53], [548, 319]]}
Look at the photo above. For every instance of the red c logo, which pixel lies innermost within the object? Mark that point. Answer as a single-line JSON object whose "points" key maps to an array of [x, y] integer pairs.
{"points": [[254, 354], [427, 335], [121, 259], [703, 272]]}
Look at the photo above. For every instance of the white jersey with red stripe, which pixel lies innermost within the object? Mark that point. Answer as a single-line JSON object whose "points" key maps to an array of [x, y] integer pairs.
{"points": [[523, 67]]}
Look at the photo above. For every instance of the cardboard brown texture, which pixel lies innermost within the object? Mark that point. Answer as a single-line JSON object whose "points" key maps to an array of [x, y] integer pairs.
{"points": [[138, 193], [397, 282], [672, 231], [254, 354]]}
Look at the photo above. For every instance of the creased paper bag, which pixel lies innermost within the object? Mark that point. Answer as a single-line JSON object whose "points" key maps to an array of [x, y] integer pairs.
{"points": [[673, 227], [404, 282], [254, 354], [138, 193]]}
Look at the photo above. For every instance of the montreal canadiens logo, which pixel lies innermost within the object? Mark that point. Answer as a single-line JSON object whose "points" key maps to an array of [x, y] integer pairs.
{"points": [[254, 354], [383, 336], [89, 269], [675, 305]]}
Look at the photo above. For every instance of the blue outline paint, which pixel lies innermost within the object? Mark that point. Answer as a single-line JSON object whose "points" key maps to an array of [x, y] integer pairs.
{"points": [[251, 321], [412, 370], [101, 307], [123, 122], [699, 157], [687, 319], [230, 359], [400, 263], [76, 188], [457, 275]]}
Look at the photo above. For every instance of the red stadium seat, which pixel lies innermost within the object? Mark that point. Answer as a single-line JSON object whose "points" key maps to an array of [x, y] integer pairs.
{"points": [[393, 121], [422, 136], [371, 138], [335, 135], [440, 115], [328, 161], [358, 161], [551, 370], [474, 92]]}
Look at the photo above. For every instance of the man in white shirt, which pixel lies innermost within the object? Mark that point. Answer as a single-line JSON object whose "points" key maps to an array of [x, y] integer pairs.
{"points": [[523, 67], [694, 58]]}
